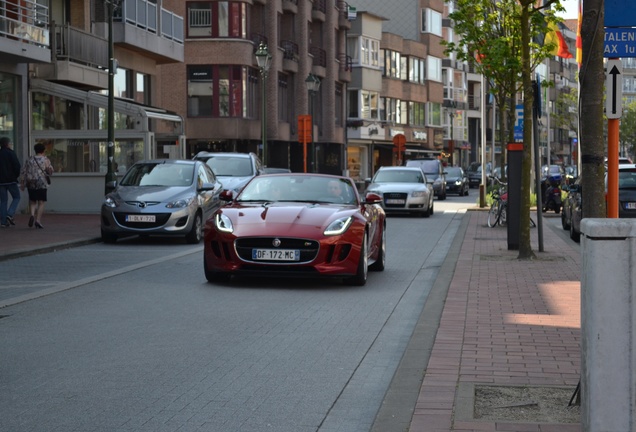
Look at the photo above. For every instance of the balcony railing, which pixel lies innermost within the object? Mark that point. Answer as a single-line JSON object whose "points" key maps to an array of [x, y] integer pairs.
{"points": [[320, 56], [143, 14], [290, 50], [346, 62], [320, 6], [27, 21], [79, 46]]}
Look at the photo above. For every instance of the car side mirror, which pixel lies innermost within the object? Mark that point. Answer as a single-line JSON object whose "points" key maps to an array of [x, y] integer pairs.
{"points": [[226, 195], [372, 198]]}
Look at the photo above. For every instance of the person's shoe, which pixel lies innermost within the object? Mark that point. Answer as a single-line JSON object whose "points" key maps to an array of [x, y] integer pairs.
{"points": [[31, 219], [10, 220], [4, 225], [38, 225]]}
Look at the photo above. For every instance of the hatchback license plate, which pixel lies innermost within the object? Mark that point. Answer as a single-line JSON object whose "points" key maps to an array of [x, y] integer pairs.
{"points": [[630, 205], [140, 218], [395, 201], [275, 255]]}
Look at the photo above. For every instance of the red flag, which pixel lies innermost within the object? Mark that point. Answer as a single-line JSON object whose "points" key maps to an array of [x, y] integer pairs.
{"points": [[579, 41]]}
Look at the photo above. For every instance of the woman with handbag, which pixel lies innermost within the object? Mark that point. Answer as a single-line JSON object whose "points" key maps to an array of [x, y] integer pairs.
{"points": [[36, 178]]}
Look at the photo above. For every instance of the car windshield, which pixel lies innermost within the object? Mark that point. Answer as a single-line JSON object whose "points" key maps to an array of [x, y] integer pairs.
{"points": [[159, 174], [627, 179], [453, 172], [398, 176], [298, 188], [231, 166]]}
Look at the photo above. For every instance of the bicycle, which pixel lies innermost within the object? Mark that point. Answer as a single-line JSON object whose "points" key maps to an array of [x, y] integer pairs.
{"points": [[498, 213]]}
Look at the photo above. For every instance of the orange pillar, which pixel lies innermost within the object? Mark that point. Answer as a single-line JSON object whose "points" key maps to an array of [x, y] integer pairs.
{"points": [[612, 168]]}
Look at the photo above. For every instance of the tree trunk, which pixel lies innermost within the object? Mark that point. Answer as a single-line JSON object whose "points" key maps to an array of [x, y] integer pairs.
{"points": [[591, 141]]}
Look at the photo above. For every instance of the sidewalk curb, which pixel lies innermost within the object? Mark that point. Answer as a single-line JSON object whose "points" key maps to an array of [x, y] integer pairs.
{"points": [[49, 248], [399, 402]]}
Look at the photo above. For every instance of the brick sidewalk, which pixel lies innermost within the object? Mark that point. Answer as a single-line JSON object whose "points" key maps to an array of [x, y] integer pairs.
{"points": [[505, 322]]}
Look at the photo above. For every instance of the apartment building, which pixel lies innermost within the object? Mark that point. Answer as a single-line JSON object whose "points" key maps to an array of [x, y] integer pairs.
{"points": [[56, 68], [229, 103], [425, 94]]}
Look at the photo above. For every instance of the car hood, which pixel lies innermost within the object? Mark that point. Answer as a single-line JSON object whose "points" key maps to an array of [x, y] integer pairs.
{"points": [[396, 187], [284, 218], [453, 179], [150, 193], [231, 183]]}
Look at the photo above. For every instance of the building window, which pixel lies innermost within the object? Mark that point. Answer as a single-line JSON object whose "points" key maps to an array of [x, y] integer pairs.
{"points": [[433, 68], [434, 114], [392, 64], [417, 114], [416, 70], [216, 91], [431, 22], [217, 19], [283, 99], [369, 105], [395, 110], [338, 108]]}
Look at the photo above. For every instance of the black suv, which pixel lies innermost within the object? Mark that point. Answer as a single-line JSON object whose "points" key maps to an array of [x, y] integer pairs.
{"points": [[435, 174], [474, 173], [233, 170]]}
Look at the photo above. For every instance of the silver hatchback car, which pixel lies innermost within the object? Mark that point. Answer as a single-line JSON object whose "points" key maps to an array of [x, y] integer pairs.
{"points": [[161, 197]]}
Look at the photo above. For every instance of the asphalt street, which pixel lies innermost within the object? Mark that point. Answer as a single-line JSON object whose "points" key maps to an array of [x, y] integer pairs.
{"points": [[131, 337]]}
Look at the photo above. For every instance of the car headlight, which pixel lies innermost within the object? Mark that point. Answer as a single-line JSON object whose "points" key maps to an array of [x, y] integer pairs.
{"points": [[181, 203], [338, 226], [417, 194], [437, 182], [458, 182], [109, 202], [223, 223], [377, 192]]}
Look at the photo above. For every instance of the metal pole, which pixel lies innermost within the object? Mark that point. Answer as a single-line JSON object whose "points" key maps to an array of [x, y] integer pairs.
{"points": [[311, 125], [111, 176], [264, 117], [537, 163]]}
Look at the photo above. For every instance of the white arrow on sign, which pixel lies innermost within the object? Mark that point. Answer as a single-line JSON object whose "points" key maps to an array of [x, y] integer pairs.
{"points": [[614, 88]]}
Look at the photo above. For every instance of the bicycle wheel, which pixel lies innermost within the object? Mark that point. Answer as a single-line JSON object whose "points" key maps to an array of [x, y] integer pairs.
{"points": [[493, 215], [503, 214]]}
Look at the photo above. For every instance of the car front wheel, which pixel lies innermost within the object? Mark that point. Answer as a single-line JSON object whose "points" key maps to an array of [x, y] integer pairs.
{"points": [[196, 233], [360, 278]]}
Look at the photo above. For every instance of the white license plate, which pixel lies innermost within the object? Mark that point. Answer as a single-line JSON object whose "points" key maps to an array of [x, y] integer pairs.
{"points": [[630, 205], [140, 218], [395, 201], [275, 255]]}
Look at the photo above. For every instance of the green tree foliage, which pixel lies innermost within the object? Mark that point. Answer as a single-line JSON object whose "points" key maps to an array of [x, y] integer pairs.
{"points": [[628, 129], [501, 40]]}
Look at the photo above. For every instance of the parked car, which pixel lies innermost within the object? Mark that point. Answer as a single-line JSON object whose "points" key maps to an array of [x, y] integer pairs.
{"points": [[435, 174], [296, 224], [403, 190], [456, 181], [161, 197], [571, 213], [626, 190], [233, 170], [474, 173]]}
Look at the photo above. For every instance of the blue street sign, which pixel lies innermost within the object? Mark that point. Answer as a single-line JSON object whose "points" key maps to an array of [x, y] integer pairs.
{"points": [[518, 129], [620, 42], [620, 13]]}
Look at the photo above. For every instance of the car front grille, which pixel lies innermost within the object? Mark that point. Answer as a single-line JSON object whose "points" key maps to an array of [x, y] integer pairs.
{"points": [[308, 248], [160, 220], [394, 196]]}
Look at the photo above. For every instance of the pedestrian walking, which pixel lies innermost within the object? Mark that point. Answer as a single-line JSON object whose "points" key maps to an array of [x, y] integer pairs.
{"points": [[36, 178], [9, 174]]}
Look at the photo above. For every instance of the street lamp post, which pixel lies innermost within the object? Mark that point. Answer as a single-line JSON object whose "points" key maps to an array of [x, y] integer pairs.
{"points": [[313, 85], [451, 142], [264, 61], [111, 175]]}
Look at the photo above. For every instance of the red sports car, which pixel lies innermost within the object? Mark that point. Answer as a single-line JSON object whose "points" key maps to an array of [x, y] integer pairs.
{"points": [[296, 225]]}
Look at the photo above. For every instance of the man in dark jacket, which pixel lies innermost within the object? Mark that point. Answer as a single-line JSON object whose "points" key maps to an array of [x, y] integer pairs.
{"points": [[9, 173]]}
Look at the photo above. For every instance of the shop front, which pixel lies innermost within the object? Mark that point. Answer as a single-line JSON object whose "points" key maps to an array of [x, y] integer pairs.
{"points": [[72, 124]]}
